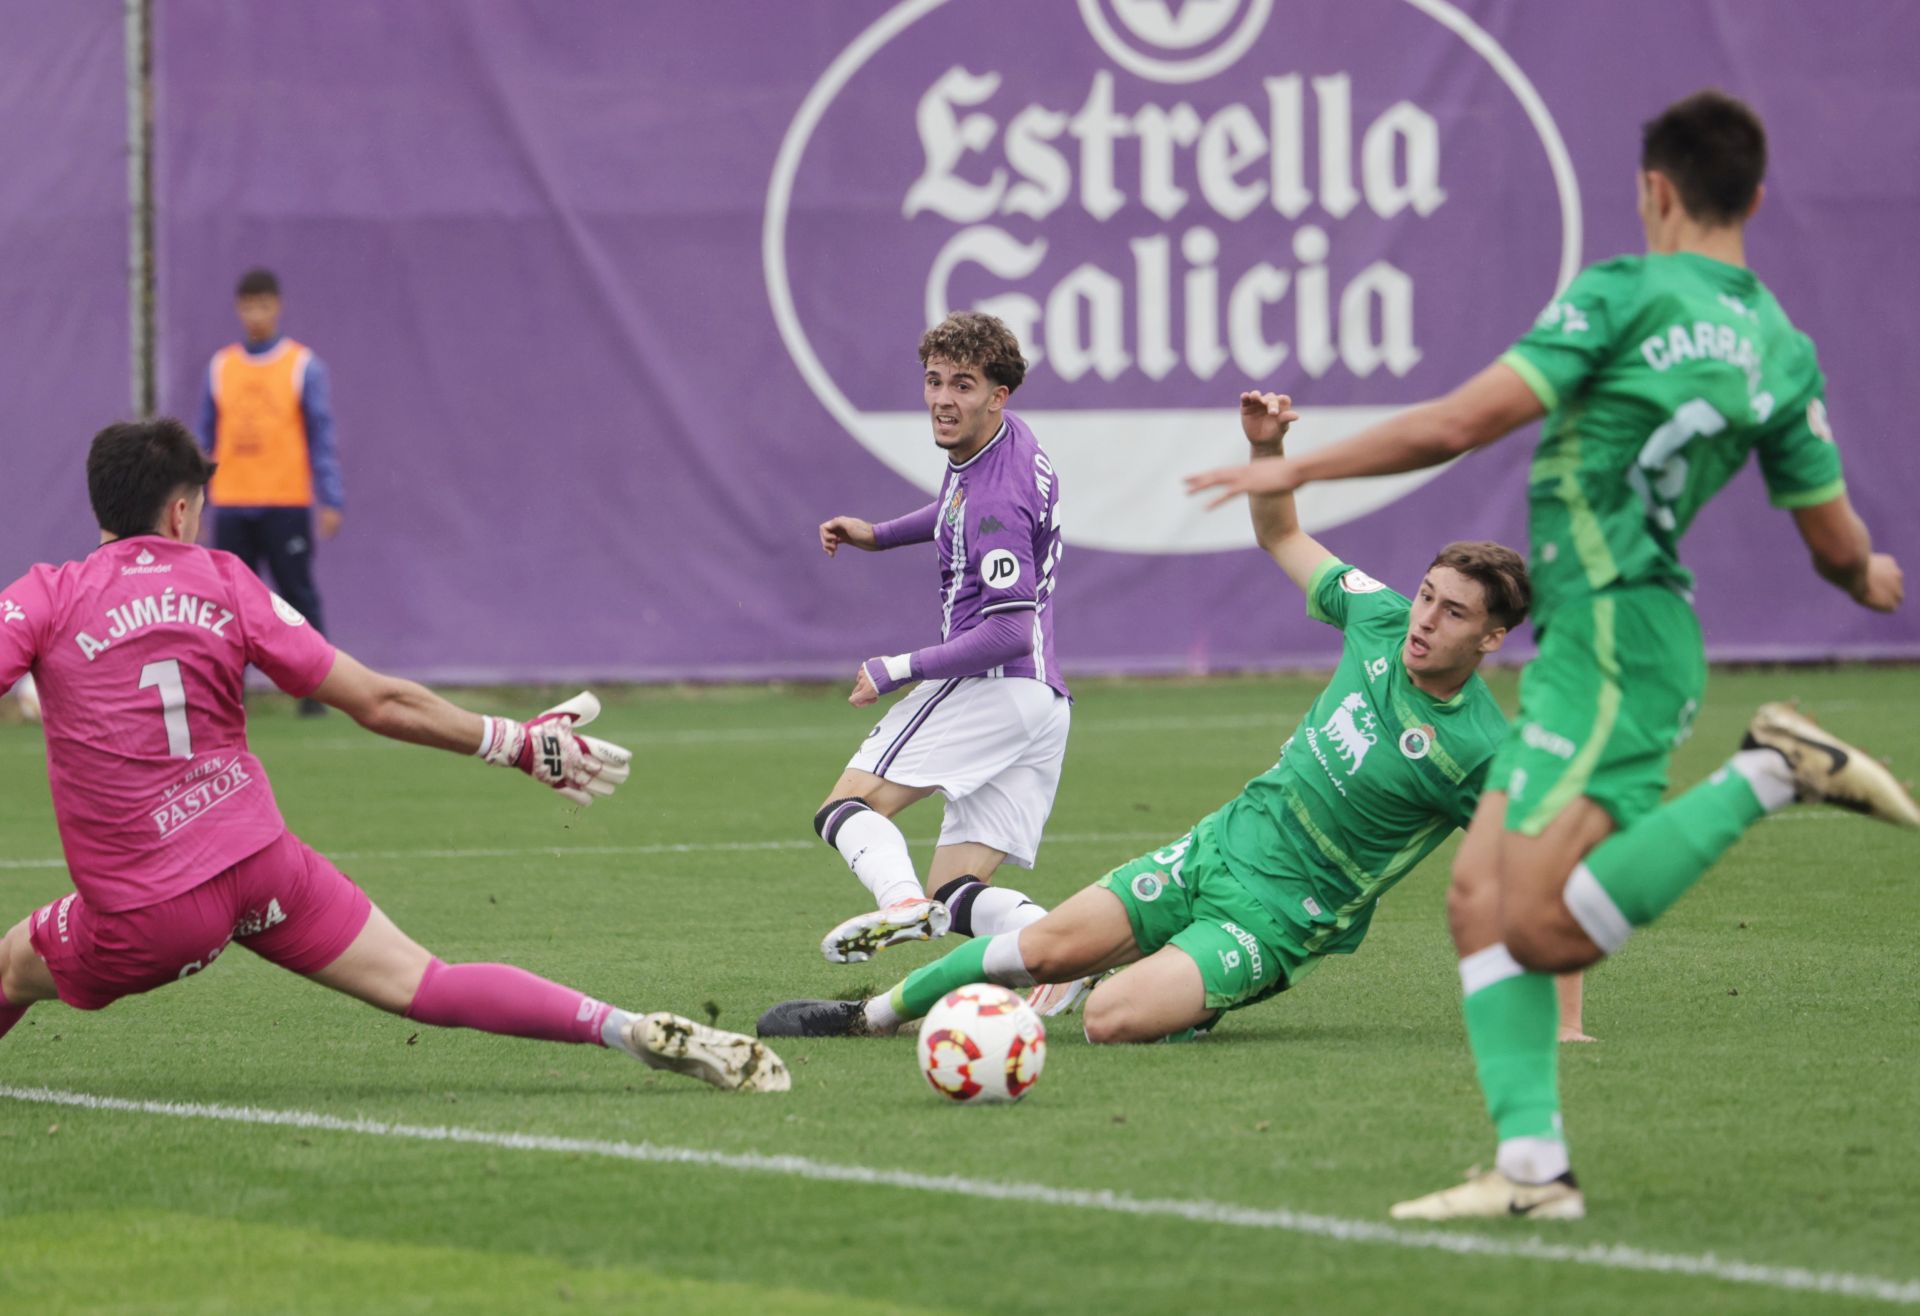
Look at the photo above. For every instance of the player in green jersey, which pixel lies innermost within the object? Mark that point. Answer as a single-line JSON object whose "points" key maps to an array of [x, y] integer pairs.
{"points": [[1658, 375], [1387, 762]]}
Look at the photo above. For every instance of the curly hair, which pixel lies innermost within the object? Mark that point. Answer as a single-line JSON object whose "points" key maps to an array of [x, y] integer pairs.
{"points": [[1502, 574], [969, 338]]}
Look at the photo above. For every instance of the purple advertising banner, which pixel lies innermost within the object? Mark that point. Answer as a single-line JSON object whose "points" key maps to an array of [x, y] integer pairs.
{"points": [[621, 300], [64, 345]]}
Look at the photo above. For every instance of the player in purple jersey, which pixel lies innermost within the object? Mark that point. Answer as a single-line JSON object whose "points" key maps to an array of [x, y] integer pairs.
{"points": [[987, 724], [171, 832]]}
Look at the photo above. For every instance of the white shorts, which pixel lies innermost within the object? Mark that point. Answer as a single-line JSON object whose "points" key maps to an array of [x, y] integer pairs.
{"points": [[993, 747]]}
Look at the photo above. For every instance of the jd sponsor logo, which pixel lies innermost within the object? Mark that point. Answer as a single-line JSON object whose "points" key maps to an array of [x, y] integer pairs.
{"points": [[1167, 200]]}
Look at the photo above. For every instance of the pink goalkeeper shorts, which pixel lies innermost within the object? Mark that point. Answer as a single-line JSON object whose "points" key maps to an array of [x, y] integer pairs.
{"points": [[286, 904]]}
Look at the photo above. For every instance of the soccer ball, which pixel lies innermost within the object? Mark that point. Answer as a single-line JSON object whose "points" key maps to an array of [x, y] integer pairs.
{"points": [[981, 1044]]}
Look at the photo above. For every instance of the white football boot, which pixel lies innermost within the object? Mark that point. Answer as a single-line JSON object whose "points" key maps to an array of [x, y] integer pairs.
{"points": [[1827, 769], [1494, 1196], [1050, 999], [712, 1055], [859, 937]]}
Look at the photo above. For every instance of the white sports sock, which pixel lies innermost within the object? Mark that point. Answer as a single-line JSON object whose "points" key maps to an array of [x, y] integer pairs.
{"points": [[1532, 1160], [1003, 963], [880, 1015], [877, 853], [613, 1029], [997, 909], [1767, 772]]}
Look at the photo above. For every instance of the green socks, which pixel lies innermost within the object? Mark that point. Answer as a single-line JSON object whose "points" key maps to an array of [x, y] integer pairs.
{"points": [[1632, 878], [1513, 1026]]}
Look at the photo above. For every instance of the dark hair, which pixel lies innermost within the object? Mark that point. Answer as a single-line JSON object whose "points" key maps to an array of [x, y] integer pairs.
{"points": [[1502, 574], [1713, 150], [136, 468], [970, 338], [257, 282]]}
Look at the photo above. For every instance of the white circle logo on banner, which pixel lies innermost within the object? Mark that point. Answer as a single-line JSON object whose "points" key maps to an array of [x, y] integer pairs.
{"points": [[1157, 250]]}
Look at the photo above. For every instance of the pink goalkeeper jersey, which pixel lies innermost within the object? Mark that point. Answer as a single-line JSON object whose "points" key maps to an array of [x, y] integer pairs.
{"points": [[139, 652]]}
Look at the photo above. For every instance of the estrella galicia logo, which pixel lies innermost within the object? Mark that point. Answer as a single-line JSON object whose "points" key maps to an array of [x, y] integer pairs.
{"points": [[1167, 200]]}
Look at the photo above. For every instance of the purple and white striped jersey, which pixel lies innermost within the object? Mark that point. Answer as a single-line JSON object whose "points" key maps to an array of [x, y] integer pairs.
{"points": [[998, 535]]}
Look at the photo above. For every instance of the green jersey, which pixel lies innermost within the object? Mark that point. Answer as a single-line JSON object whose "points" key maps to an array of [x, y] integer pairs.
{"points": [[1374, 777], [1660, 374]]}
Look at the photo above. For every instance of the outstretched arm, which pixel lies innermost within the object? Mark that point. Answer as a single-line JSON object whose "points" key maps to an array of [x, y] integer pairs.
{"points": [[1843, 554], [1265, 418], [914, 528], [546, 748], [1493, 403]]}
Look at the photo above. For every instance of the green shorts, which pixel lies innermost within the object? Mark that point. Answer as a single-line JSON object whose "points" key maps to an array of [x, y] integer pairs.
{"points": [[1184, 896], [1615, 687]]}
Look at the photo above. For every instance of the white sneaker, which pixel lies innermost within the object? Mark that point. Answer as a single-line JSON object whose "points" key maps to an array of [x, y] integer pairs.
{"points": [[1494, 1195], [863, 934], [726, 1060], [1056, 998]]}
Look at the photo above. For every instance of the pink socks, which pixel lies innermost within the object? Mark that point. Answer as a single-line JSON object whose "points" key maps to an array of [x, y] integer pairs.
{"points": [[498, 998]]}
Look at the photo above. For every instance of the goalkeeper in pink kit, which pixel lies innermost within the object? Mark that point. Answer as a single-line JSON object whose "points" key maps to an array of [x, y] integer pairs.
{"points": [[171, 832]]}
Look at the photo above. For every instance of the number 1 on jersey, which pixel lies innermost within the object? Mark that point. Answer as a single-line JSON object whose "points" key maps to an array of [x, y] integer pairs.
{"points": [[165, 676]]}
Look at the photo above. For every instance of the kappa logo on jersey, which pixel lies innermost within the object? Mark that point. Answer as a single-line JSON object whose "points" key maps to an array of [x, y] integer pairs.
{"points": [[11, 611], [989, 525], [1359, 582], [286, 612], [1000, 569], [1113, 189], [1351, 729]]}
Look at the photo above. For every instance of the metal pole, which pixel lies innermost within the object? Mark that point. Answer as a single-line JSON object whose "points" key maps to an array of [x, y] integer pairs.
{"points": [[140, 277]]}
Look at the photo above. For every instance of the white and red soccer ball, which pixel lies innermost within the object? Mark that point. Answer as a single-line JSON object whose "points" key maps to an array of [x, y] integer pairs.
{"points": [[982, 1044]]}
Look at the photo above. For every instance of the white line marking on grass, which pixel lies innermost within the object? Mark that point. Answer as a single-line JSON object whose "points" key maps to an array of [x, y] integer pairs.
{"points": [[1604, 1256], [757, 847]]}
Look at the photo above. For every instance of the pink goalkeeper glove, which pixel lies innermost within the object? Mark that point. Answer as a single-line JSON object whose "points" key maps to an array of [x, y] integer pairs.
{"points": [[548, 750]]}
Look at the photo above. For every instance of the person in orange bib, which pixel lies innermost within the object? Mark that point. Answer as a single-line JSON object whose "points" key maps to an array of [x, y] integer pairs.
{"points": [[266, 418]]}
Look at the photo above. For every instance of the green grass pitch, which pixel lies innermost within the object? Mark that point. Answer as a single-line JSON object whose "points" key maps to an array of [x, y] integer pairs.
{"points": [[1752, 1098]]}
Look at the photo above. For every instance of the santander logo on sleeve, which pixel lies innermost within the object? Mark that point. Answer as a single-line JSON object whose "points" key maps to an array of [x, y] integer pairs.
{"points": [[1168, 201]]}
